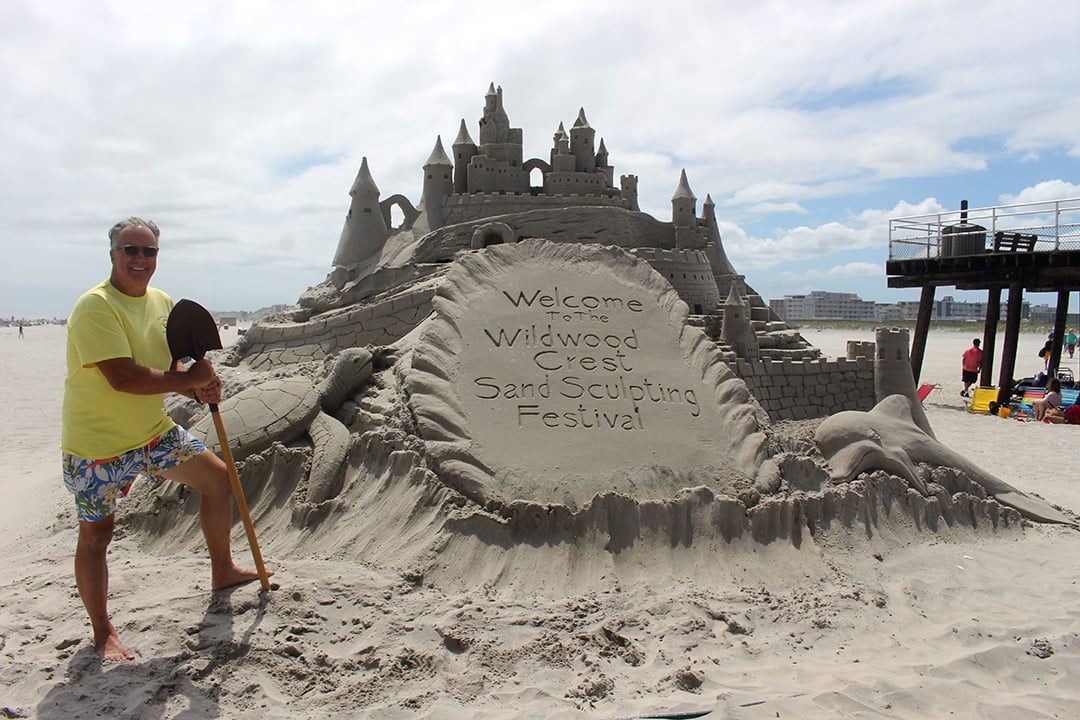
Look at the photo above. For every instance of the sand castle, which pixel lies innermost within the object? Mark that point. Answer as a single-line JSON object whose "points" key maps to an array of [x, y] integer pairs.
{"points": [[552, 368]]}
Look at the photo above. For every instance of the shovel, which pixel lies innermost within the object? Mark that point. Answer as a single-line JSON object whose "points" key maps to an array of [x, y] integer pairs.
{"points": [[191, 331]]}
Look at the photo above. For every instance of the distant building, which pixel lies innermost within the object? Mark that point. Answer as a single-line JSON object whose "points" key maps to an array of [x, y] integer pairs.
{"points": [[822, 305], [1046, 315]]}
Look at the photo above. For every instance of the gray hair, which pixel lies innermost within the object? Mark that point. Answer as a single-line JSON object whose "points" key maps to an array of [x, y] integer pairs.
{"points": [[116, 229]]}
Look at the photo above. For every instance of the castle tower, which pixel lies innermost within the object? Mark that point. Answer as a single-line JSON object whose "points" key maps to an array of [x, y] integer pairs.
{"points": [[735, 330], [365, 229], [464, 150], [496, 166], [494, 125], [628, 185], [892, 373], [602, 155], [561, 159], [683, 204], [683, 207], [583, 144], [438, 184], [602, 165], [714, 247]]}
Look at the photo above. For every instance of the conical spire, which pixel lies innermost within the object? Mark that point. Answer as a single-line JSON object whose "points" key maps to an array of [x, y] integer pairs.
{"points": [[463, 137], [438, 155], [581, 121], [708, 202], [734, 296], [560, 133], [364, 183], [683, 191]]}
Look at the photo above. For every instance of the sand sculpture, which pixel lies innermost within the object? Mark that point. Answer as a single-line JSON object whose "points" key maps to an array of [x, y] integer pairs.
{"points": [[889, 438], [282, 410], [547, 367]]}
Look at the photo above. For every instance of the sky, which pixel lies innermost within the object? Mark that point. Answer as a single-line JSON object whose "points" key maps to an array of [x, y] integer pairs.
{"points": [[239, 127]]}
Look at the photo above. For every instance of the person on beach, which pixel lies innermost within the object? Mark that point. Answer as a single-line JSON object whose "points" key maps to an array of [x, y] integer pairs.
{"points": [[114, 425], [1070, 342], [971, 363], [1044, 351], [21, 335], [1052, 399]]}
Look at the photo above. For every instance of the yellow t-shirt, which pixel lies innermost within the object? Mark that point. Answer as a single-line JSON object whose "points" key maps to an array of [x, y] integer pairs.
{"points": [[98, 421]]}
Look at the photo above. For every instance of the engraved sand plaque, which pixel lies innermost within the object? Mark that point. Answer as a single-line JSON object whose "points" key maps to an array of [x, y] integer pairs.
{"points": [[552, 373]]}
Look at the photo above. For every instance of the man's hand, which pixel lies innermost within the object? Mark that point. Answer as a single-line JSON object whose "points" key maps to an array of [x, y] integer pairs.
{"points": [[209, 391], [209, 394], [201, 373]]}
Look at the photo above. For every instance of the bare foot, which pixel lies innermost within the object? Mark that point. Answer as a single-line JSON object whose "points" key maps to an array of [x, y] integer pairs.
{"points": [[235, 576], [110, 649]]}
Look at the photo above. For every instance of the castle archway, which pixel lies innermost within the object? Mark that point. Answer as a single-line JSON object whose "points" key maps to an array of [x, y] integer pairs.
{"points": [[406, 214], [536, 179], [490, 234]]}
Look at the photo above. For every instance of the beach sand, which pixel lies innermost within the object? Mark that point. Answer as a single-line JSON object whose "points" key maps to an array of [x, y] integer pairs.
{"points": [[888, 622]]}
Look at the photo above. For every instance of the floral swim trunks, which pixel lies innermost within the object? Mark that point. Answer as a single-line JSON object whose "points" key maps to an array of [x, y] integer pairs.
{"points": [[97, 484]]}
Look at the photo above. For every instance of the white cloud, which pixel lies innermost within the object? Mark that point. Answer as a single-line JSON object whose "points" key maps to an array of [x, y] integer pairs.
{"points": [[824, 278], [776, 208], [868, 229], [1047, 191]]}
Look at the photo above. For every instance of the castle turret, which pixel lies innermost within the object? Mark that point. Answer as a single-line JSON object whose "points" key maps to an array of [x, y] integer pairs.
{"points": [[583, 144], [464, 150], [714, 247], [683, 204], [365, 229], [603, 167], [438, 184], [628, 186], [495, 124], [683, 207], [736, 330], [561, 159], [497, 165]]}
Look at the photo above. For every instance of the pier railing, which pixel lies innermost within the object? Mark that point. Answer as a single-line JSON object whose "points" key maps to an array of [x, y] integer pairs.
{"points": [[1028, 227]]}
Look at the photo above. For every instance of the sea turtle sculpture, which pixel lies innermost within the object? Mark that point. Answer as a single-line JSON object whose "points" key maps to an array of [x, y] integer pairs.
{"points": [[282, 410]]}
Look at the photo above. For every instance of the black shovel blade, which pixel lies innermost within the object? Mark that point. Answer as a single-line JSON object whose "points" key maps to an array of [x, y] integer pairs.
{"points": [[191, 331]]}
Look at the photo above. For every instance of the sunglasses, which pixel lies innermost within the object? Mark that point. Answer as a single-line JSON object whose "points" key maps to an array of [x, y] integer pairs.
{"points": [[133, 250]]}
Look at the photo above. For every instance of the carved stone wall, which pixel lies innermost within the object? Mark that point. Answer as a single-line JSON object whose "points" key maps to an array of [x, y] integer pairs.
{"points": [[800, 390], [267, 345]]}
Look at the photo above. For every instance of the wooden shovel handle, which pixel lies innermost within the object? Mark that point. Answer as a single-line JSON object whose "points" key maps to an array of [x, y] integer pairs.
{"points": [[238, 493]]}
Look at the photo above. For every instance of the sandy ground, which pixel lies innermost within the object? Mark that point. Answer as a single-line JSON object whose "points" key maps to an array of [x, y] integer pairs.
{"points": [[890, 624]]}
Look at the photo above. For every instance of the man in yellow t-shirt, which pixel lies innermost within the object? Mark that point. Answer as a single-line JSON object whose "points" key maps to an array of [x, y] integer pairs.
{"points": [[115, 427]]}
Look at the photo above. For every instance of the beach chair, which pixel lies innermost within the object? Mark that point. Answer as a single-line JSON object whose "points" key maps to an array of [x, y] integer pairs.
{"points": [[924, 390], [1026, 409], [1069, 398], [980, 400]]}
